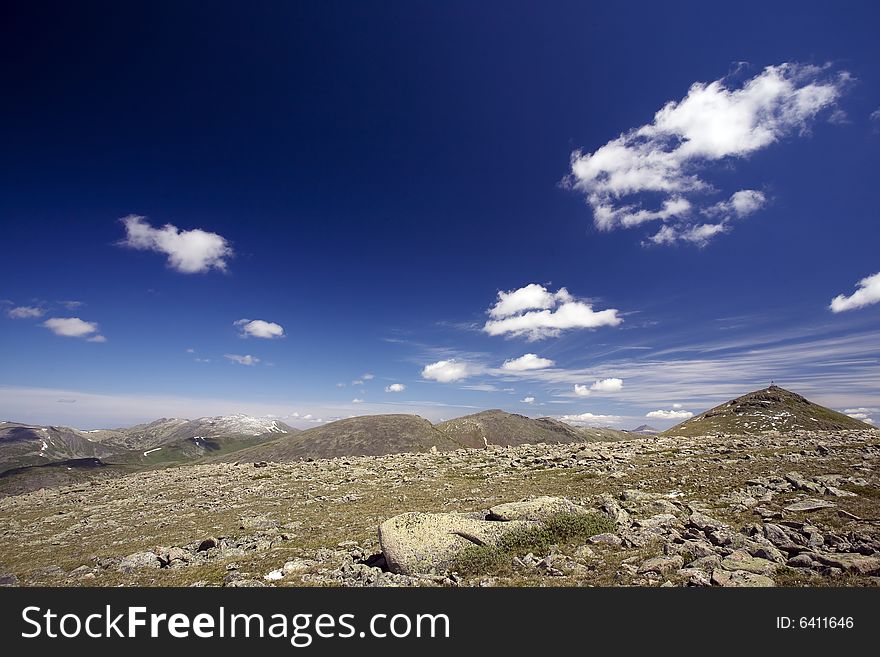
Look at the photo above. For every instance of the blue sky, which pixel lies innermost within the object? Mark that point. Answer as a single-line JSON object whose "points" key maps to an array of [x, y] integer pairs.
{"points": [[654, 206]]}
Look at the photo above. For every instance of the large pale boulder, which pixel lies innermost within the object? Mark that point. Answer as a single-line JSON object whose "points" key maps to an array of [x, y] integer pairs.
{"points": [[431, 542]]}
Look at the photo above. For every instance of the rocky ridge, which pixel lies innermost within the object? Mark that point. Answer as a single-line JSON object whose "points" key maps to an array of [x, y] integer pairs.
{"points": [[795, 509]]}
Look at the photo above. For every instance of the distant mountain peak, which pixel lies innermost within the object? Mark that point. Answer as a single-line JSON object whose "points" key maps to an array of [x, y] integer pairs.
{"points": [[769, 409]]}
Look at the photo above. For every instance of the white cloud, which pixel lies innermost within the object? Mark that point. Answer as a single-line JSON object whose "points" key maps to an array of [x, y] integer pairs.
{"points": [[528, 400], [670, 415], [527, 362], [395, 387], [713, 123], [740, 204], [862, 413], [72, 305], [530, 297], [537, 313], [589, 419], [608, 385], [367, 376], [699, 234], [868, 293], [190, 351], [258, 328], [242, 360], [581, 391], [676, 406], [357, 401], [74, 327], [25, 312], [188, 251], [446, 371]]}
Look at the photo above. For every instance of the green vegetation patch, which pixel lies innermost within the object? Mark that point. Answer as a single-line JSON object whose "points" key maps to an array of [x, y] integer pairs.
{"points": [[564, 530]]}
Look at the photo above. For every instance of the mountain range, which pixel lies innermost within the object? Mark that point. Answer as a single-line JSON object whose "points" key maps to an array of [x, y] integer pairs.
{"points": [[34, 456]]}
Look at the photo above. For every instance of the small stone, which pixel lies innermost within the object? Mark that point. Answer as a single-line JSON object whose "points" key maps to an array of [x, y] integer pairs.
{"points": [[662, 564], [809, 505], [740, 560], [852, 563], [139, 560], [606, 539], [801, 561], [740, 578]]}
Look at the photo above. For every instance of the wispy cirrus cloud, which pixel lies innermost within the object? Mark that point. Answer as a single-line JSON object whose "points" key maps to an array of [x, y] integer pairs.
{"points": [[246, 359], [662, 163], [188, 251], [25, 312]]}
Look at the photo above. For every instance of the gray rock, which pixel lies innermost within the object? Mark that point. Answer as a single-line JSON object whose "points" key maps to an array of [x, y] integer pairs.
{"points": [[803, 560], [662, 564], [852, 563], [740, 578], [536, 509], [430, 542], [809, 505], [139, 560], [606, 539], [610, 507], [740, 560]]}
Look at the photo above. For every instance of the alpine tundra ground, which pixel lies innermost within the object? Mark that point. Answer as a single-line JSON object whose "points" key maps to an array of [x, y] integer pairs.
{"points": [[795, 509]]}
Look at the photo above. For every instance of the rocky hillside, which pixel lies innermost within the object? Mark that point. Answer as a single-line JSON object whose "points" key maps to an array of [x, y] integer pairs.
{"points": [[368, 435], [495, 427], [794, 509], [26, 451], [770, 409], [23, 445], [167, 431]]}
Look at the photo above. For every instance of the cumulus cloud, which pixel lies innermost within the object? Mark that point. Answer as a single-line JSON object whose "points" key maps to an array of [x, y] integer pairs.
{"points": [[447, 371], [716, 122], [526, 363], [242, 360], [258, 328], [395, 387], [25, 312], [589, 419], [534, 312], [74, 327], [669, 415], [189, 251], [608, 385], [367, 376], [868, 293], [357, 401], [528, 400], [581, 391]]}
